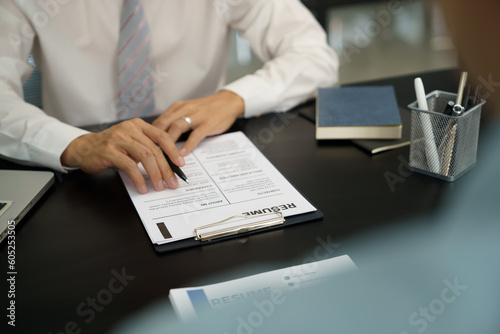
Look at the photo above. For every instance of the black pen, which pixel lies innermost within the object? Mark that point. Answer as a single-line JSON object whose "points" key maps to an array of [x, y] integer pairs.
{"points": [[449, 108], [176, 169], [475, 96]]}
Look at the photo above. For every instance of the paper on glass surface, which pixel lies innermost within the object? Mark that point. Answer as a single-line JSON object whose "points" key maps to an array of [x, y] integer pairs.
{"points": [[271, 286]]}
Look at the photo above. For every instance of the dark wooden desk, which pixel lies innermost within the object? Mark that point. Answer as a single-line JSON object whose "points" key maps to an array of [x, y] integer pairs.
{"points": [[86, 228]]}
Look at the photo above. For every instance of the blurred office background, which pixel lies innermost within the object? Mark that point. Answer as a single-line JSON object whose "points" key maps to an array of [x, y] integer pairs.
{"points": [[374, 39]]}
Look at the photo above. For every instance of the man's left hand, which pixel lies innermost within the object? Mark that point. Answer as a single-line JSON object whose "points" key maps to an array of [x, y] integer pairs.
{"points": [[211, 115]]}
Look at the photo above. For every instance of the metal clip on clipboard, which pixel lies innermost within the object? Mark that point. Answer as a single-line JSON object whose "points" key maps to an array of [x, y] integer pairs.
{"points": [[240, 229]]}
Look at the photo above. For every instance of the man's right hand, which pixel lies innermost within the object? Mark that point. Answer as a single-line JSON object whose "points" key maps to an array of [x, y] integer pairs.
{"points": [[123, 146]]}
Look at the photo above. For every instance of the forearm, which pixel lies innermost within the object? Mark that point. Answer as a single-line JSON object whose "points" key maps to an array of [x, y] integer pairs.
{"points": [[285, 81], [29, 135]]}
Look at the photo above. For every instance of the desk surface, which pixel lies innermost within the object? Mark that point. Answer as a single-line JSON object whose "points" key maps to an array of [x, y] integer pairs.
{"points": [[86, 226]]}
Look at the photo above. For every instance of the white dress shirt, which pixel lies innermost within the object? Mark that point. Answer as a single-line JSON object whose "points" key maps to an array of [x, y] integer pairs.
{"points": [[74, 43]]}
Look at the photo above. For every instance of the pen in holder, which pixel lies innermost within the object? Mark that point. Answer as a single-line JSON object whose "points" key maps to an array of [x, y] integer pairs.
{"points": [[455, 138]]}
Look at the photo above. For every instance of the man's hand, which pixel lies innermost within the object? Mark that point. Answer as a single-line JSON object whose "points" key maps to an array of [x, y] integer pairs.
{"points": [[211, 115], [123, 146]]}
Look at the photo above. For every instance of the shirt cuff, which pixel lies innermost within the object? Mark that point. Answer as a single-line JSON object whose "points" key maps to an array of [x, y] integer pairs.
{"points": [[259, 95], [51, 141]]}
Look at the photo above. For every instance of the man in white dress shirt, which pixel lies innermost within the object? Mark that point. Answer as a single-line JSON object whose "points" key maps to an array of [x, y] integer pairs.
{"points": [[75, 45]]}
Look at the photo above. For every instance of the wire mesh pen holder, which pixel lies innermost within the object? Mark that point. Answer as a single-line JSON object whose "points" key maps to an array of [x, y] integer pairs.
{"points": [[443, 146]]}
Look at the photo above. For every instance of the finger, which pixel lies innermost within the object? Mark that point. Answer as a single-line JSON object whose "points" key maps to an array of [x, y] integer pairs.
{"points": [[130, 138], [194, 139], [168, 146], [164, 120], [149, 137], [178, 127], [149, 160], [130, 167], [166, 143], [167, 173]]}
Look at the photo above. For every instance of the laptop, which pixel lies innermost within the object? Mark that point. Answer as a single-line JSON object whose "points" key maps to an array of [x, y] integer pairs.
{"points": [[19, 191]]}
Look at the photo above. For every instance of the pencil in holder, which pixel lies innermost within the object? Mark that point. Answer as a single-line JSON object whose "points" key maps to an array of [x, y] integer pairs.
{"points": [[443, 146]]}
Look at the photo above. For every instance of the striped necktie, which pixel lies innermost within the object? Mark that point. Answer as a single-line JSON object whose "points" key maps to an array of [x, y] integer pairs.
{"points": [[135, 82]]}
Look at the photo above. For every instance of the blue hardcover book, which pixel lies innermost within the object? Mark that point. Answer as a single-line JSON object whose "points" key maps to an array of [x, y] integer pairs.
{"points": [[357, 112]]}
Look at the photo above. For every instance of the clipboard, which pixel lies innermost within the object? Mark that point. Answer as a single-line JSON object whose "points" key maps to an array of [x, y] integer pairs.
{"points": [[232, 175], [243, 230]]}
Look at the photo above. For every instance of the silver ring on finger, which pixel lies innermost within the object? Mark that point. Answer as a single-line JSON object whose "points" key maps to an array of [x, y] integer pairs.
{"points": [[188, 121]]}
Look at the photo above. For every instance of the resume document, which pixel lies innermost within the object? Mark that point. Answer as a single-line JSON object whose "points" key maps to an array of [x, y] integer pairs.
{"points": [[228, 177]]}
